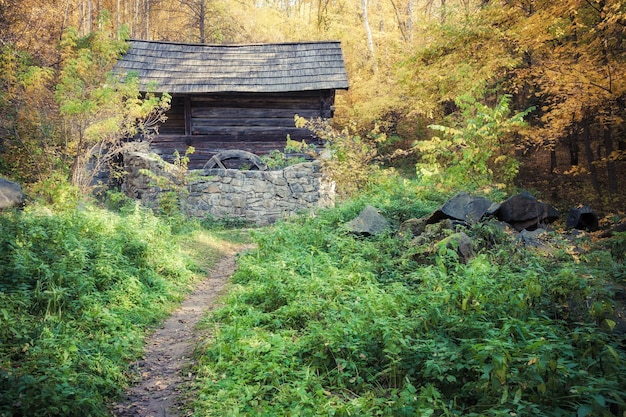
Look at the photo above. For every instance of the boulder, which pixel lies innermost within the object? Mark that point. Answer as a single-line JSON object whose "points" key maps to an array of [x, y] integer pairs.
{"points": [[369, 223], [462, 244], [434, 233], [534, 238], [462, 207], [582, 218], [412, 227], [11, 194], [524, 211]]}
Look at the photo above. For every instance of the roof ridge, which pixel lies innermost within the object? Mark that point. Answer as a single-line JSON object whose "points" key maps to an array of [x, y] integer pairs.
{"points": [[236, 44]]}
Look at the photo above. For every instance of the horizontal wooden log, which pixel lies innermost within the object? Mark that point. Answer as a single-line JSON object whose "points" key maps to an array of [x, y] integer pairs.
{"points": [[262, 99], [171, 130], [299, 134], [260, 104], [276, 122], [231, 112], [249, 131]]}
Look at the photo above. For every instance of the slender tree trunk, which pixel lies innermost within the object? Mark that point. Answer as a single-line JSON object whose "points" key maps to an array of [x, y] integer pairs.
{"points": [[590, 160], [610, 165], [443, 11], [368, 32], [621, 141], [89, 14], [118, 18], [553, 161], [137, 25], [573, 145], [410, 22], [202, 17], [147, 20], [66, 16]]}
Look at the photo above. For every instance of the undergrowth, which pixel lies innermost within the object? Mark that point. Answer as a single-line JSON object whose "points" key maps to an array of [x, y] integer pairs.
{"points": [[321, 322], [79, 287]]}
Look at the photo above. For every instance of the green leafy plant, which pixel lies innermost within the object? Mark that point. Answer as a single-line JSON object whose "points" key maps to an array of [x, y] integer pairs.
{"points": [[100, 109], [172, 183], [476, 151], [294, 153], [322, 322], [79, 287], [350, 157]]}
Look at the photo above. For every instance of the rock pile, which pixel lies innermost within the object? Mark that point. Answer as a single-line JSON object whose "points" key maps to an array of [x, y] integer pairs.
{"points": [[466, 224], [525, 217]]}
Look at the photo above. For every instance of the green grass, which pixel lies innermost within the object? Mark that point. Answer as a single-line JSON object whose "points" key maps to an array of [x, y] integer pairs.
{"points": [[78, 290], [319, 322], [316, 321]]}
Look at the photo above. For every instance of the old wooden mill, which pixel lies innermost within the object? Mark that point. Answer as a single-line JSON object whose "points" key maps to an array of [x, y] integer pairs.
{"points": [[236, 97]]}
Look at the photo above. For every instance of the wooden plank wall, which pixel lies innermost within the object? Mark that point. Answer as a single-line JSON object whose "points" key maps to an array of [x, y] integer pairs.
{"points": [[256, 123]]}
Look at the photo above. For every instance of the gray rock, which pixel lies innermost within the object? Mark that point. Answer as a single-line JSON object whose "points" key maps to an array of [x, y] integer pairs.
{"points": [[11, 194], [462, 244], [369, 223], [532, 238], [434, 233], [620, 228], [412, 227], [524, 211], [463, 207], [582, 218]]}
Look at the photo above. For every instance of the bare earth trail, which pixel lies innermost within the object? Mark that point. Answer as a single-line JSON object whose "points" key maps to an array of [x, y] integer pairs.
{"points": [[168, 349]]}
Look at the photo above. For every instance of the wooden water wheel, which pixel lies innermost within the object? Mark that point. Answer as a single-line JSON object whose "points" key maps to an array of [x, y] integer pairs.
{"points": [[235, 159]]}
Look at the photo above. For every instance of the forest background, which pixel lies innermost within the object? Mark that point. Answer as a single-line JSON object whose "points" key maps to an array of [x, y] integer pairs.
{"points": [[485, 96], [434, 83]]}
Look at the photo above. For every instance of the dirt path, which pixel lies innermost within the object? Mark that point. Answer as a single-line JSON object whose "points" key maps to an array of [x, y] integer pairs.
{"points": [[169, 348]]}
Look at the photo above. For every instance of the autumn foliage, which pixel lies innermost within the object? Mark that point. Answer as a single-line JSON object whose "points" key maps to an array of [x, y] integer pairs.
{"points": [[409, 64]]}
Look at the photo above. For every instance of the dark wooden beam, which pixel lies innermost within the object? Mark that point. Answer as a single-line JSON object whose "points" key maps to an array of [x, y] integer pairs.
{"points": [[187, 115]]}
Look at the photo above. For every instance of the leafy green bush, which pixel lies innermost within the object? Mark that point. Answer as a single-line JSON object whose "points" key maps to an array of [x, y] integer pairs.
{"points": [[350, 157], [78, 288], [475, 151], [321, 322], [294, 153]]}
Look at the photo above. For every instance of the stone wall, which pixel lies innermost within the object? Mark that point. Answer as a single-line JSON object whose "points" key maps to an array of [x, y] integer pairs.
{"points": [[261, 197]]}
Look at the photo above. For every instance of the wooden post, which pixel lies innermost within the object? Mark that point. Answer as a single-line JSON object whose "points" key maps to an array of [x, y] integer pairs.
{"points": [[187, 116]]}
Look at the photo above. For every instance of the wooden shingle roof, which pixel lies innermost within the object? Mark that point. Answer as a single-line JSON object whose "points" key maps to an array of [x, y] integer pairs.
{"points": [[258, 68]]}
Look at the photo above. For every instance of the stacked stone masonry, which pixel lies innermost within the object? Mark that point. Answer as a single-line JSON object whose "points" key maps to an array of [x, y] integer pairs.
{"points": [[260, 197]]}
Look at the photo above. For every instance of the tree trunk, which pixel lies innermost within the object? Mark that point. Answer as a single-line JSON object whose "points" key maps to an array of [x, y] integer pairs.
{"points": [[410, 22], [147, 20], [368, 32], [443, 11], [89, 13], [590, 160], [573, 145], [552, 161], [610, 165], [136, 24], [399, 20], [202, 17]]}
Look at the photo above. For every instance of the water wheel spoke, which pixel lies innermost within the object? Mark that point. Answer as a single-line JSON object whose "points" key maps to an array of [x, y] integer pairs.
{"points": [[218, 159]]}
